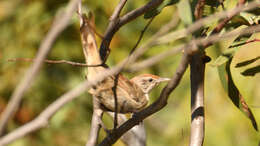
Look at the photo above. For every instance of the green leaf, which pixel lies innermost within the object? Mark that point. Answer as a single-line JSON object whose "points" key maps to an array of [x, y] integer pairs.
{"points": [[240, 40], [233, 92], [220, 60], [236, 22], [158, 9], [247, 62], [240, 19], [184, 10], [228, 83], [251, 71], [232, 49], [224, 57]]}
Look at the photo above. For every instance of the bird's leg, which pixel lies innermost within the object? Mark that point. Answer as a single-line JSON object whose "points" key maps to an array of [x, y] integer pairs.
{"points": [[98, 111]]}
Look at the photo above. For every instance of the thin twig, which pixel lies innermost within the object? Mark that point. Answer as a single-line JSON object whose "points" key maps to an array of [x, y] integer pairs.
{"points": [[56, 62], [136, 66], [141, 35], [118, 10], [114, 89], [244, 43], [153, 60], [111, 29], [115, 25], [60, 23], [139, 11]]}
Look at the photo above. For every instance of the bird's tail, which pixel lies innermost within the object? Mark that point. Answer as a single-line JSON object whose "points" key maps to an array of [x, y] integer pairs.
{"points": [[88, 39]]}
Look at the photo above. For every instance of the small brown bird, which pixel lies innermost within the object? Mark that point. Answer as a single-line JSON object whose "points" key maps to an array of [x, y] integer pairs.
{"points": [[132, 95]]}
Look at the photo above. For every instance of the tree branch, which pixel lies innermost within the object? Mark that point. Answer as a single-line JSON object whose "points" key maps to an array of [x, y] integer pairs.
{"points": [[117, 22], [60, 23], [141, 35], [56, 62], [153, 60], [111, 30], [138, 12], [136, 136]]}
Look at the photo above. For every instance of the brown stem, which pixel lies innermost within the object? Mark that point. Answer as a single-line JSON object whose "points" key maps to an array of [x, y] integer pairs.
{"points": [[56, 62], [199, 9], [141, 35], [135, 136], [116, 22], [114, 89]]}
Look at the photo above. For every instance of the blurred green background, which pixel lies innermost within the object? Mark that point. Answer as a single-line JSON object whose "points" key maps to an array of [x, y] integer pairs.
{"points": [[24, 23]]}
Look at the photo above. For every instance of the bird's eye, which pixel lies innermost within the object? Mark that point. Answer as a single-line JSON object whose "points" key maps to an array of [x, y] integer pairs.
{"points": [[150, 80]]}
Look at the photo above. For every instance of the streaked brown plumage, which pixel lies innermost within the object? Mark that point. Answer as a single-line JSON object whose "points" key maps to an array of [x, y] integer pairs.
{"points": [[132, 95]]}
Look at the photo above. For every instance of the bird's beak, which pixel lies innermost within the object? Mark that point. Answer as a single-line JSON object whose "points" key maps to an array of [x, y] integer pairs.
{"points": [[163, 79]]}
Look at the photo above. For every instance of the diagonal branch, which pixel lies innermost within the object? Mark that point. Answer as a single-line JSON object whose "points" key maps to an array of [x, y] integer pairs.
{"points": [[117, 22], [60, 23], [136, 136], [138, 12], [111, 29]]}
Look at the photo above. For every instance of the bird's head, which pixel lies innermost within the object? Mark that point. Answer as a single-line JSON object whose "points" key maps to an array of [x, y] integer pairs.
{"points": [[148, 81]]}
